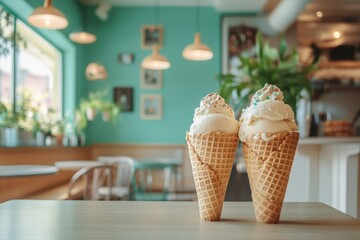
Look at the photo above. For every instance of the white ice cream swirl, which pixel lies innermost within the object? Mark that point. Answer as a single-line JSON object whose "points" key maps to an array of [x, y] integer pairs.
{"points": [[214, 115], [266, 115]]}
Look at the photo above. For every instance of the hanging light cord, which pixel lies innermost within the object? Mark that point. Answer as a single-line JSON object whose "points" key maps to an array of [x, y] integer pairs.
{"points": [[197, 17], [47, 3], [156, 12], [85, 19]]}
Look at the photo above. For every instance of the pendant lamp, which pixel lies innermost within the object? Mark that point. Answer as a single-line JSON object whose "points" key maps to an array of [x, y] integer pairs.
{"points": [[197, 51], [155, 61], [83, 36], [48, 17], [95, 71]]}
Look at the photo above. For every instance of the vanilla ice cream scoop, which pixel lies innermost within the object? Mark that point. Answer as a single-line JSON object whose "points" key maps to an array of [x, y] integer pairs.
{"points": [[266, 115], [214, 115]]}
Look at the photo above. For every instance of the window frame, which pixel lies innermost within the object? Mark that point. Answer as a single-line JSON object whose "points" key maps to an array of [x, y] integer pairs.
{"points": [[14, 53]]}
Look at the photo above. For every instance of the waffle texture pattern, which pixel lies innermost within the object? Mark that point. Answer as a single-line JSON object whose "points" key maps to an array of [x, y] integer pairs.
{"points": [[268, 165], [212, 155]]}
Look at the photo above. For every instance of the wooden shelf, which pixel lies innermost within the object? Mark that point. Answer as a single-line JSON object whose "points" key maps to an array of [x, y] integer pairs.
{"points": [[340, 64]]}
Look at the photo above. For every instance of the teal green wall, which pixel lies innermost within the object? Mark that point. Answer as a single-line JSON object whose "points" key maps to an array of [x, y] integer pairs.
{"points": [[184, 84]]}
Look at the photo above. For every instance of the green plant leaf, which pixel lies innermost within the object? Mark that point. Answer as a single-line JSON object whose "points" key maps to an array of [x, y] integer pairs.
{"points": [[274, 66], [282, 47]]}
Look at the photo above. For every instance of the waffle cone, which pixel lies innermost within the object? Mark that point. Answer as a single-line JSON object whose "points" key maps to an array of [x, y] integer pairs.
{"points": [[268, 165], [212, 156]]}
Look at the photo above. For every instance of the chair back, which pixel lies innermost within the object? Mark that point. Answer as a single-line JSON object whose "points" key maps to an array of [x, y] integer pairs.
{"points": [[125, 169], [92, 178]]}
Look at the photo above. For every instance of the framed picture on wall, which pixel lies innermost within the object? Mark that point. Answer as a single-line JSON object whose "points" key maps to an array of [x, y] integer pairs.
{"points": [[238, 37], [123, 96], [151, 106], [150, 79], [126, 58], [151, 35]]}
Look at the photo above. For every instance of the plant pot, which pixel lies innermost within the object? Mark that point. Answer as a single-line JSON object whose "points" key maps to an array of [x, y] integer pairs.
{"points": [[26, 138], [303, 115], [40, 139], [106, 116], [11, 137], [59, 139], [50, 140], [90, 114], [81, 140], [2, 137]]}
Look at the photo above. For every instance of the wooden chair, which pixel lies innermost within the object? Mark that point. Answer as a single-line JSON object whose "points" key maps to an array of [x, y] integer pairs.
{"points": [[124, 175], [92, 178]]}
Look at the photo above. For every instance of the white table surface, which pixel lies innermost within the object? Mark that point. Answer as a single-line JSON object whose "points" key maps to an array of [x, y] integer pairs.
{"points": [[53, 220], [76, 164], [26, 170]]}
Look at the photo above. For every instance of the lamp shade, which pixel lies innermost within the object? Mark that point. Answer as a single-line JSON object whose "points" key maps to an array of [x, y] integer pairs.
{"points": [[155, 61], [197, 51], [95, 71], [82, 37], [48, 17]]}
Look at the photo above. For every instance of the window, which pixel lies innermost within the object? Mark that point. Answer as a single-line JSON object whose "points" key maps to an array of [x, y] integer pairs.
{"points": [[6, 56], [35, 67]]}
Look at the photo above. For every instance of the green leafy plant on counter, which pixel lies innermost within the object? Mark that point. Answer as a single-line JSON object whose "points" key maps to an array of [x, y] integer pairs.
{"points": [[7, 119], [20, 118], [49, 124], [25, 123], [270, 65]]}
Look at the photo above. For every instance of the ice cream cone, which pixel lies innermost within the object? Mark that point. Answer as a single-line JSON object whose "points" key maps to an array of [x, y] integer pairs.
{"points": [[212, 156], [268, 165]]}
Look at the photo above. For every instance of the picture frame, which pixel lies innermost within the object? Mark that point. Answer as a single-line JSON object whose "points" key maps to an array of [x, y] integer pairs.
{"points": [[123, 96], [126, 58], [151, 35], [238, 37], [151, 107], [151, 79]]}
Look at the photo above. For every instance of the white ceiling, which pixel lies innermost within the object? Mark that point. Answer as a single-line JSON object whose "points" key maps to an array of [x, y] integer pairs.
{"points": [[220, 5], [339, 15], [332, 7]]}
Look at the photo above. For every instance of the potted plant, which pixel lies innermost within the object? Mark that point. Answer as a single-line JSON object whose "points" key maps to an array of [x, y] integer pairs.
{"points": [[57, 130], [80, 124], [7, 136], [17, 124], [270, 65], [95, 103], [110, 110], [89, 108], [92, 104], [85, 112], [5, 115]]}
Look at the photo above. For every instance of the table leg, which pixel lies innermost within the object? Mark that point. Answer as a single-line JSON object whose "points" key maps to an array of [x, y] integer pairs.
{"points": [[142, 181], [167, 179], [149, 179]]}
